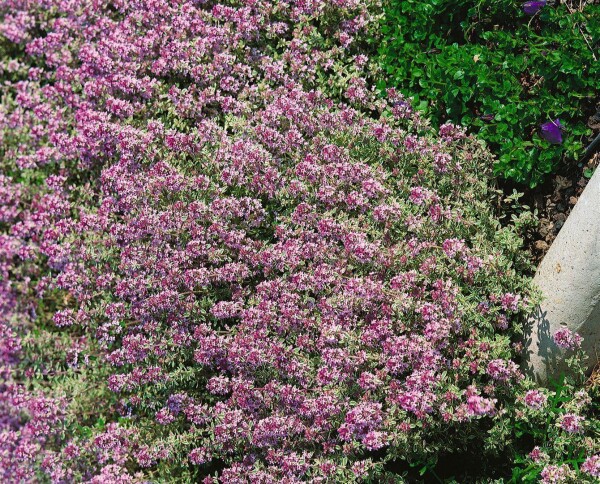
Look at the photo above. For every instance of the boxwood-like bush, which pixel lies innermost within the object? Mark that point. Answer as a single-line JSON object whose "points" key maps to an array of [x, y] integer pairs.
{"points": [[503, 73]]}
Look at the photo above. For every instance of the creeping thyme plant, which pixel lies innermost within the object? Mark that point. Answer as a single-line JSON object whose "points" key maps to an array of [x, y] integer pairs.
{"points": [[223, 258]]}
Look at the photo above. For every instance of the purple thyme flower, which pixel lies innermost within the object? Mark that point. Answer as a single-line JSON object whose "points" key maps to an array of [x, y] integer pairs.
{"points": [[536, 455], [533, 7], [567, 340], [553, 474], [551, 131], [591, 466], [535, 399], [571, 423]]}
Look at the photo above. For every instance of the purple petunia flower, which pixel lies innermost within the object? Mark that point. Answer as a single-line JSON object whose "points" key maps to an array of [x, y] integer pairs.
{"points": [[551, 131], [533, 7]]}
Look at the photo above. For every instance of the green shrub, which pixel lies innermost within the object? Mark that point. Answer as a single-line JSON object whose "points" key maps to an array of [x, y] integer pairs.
{"points": [[490, 66]]}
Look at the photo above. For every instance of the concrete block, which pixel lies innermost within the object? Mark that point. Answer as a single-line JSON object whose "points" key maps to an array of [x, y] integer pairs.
{"points": [[569, 278]]}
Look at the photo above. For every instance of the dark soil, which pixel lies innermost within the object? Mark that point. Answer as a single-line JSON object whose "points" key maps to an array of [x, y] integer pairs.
{"points": [[554, 200]]}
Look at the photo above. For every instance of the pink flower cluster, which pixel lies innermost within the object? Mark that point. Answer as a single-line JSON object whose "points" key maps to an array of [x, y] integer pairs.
{"points": [[535, 399], [556, 474], [571, 423], [566, 339], [591, 466]]}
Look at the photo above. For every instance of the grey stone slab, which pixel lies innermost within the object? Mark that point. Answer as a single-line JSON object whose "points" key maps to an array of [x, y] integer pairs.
{"points": [[569, 278]]}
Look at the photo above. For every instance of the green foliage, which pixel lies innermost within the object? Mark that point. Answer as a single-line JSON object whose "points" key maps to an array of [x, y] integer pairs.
{"points": [[489, 66], [554, 444]]}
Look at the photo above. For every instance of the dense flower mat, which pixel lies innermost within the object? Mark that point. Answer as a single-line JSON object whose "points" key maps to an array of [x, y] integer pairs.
{"points": [[222, 257]]}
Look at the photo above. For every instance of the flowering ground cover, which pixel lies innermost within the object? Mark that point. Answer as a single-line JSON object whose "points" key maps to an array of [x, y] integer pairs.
{"points": [[225, 258]]}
